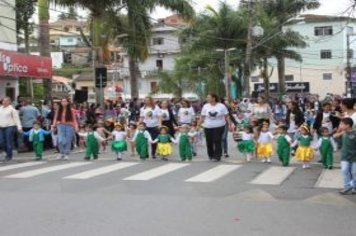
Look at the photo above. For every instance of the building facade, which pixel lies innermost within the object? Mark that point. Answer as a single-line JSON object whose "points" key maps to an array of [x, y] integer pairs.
{"points": [[323, 69]]}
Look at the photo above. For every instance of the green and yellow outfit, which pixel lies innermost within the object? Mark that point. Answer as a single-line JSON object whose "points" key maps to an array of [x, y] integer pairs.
{"points": [[283, 149], [164, 147], [304, 151], [92, 146], [185, 147], [141, 143]]}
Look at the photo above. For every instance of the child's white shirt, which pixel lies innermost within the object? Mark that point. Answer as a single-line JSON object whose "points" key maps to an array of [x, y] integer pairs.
{"points": [[96, 135], [265, 137], [246, 136], [333, 143], [119, 135], [145, 133]]}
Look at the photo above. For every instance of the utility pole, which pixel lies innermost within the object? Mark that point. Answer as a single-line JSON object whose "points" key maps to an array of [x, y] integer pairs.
{"points": [[227, 74], [248, 50]]}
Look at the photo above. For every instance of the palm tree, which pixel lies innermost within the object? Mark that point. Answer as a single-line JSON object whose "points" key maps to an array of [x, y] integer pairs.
{"points": [[44, 41], [282, 11]]}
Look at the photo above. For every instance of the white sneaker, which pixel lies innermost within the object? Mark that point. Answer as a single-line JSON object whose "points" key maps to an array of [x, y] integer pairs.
{"points": [[66, 158], [59, 157], [304, 166], [269, 160], [263, 160]]}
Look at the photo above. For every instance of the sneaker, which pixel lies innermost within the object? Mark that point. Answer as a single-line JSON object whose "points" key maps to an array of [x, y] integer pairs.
{"points": [[264, 161], [353, 192], [269, 161], [66, 158], [330, 167], [59, 157], [226, 155], [119, 159], [346, 191], [304, 166], [164, 159]]}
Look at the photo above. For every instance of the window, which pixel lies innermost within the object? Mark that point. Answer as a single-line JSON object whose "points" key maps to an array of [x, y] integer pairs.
{"points": [[159, 64], [327, 76], [325, 54], [289, 77], [254, 79], [154, 87], [350, 30], [77, 29], [66, 28], [158, 41], [70, 40], [322, 31]]}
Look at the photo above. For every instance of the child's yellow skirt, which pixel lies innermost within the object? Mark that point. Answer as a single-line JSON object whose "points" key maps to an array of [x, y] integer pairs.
{"points": [[304, 153], [264, 150], [164, 149]]}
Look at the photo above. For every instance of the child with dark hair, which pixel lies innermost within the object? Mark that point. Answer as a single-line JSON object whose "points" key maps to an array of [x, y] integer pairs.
{"points": [[283, 144], [304, 151], [326, 145], [92, 139], [247, 146], [37, 137], [141, 139], [348, 155]]}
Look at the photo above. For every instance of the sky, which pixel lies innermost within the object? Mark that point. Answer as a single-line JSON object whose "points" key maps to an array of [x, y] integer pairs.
{"points": [[328, 7]]}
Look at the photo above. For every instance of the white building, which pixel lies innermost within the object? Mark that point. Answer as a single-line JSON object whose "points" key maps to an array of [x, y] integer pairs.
{"points": [[323, 68], [164, 48]]}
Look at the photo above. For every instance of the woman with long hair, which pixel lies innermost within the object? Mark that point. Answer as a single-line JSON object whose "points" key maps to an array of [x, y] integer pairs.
{"points": [[66, 123], [168, 118], [214, 117], [186, 114], [150, 114]]}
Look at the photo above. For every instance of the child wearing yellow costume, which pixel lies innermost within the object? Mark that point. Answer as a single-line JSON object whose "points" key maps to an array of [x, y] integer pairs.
{"points": [[305, 152], [164, 147], [264, 144]]}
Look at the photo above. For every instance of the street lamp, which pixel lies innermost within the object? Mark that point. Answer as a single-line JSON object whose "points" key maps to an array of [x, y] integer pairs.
{"points": [[227, 85]]}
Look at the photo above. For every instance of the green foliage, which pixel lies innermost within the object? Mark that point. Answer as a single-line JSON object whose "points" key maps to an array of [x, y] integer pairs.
{"points": [[24, 11], [69, 70]]}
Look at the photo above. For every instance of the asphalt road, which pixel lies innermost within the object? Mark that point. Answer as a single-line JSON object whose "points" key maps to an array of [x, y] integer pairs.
{"points": [[154, 197]]}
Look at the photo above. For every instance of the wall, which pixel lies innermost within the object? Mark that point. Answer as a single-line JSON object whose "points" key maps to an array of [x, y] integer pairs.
{"points": [[7, 82], [8, 26]]}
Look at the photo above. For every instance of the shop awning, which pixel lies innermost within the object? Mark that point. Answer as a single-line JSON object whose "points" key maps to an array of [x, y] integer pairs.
{"points": [[16, 64]]}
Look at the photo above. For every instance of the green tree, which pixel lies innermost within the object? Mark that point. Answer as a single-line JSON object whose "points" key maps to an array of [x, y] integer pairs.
{"points": [[282, 11], [24, 28]]}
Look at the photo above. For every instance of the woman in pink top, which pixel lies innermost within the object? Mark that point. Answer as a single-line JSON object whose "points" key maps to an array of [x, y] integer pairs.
{"points": [[66, 123]]}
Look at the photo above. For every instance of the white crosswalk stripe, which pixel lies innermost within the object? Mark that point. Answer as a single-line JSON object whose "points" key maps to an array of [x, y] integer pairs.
{"points": [[101, 171], [156, 172], [20, 165], [273, 176], [330, 179], [213, 174], [32, 173]]}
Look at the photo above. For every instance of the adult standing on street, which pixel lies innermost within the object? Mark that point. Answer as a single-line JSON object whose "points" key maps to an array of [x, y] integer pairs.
{"points": [[150, 115], [186, 114], [262, 111], [28, 114], [294, 119], [214, 117], [67, 124], [9, 124], [168, 118]]}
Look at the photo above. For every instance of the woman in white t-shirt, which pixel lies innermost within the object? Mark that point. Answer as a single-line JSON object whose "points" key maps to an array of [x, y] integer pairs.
{"points": [[186, 114], [214, 116], [150, 114]]}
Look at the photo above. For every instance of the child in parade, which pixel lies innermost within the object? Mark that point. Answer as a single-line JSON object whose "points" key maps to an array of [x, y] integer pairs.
{"points": [[37, 137], [104, 133], [119, 144], [247, 145], [92, 139], [141, 139], [164, 147], [348, 155], [185, 146], [264, 144], [326, 145], [241, 121], [194, 133], [283, 144], [304, 151], [130, 134]]}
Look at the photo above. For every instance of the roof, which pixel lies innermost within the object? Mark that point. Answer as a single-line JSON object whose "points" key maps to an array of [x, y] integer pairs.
{"points": [[69, 22], [85, 76], [173, 20], [313, 18], [60, 79]]}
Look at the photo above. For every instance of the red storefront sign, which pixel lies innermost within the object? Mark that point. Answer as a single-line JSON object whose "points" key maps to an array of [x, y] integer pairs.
{"points": [[25, 65]]}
